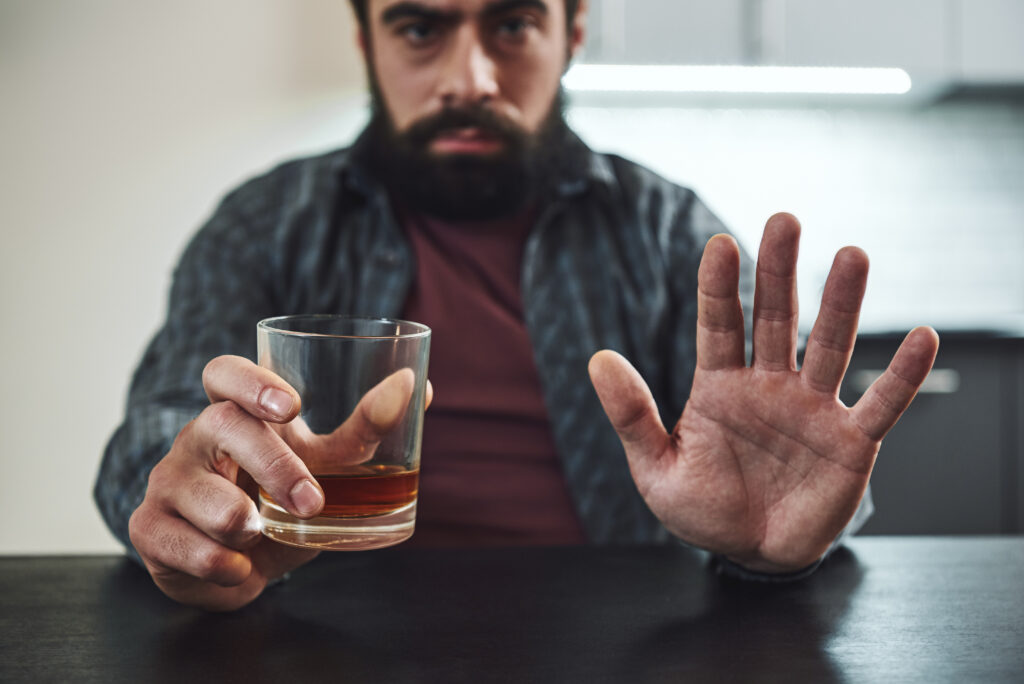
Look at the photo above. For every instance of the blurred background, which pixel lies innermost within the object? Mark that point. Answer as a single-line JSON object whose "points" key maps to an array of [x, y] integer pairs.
{"points": [[124, 122]]}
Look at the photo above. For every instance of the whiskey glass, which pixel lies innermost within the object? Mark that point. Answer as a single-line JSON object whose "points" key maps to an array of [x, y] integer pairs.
{"points": [[369, 474]]}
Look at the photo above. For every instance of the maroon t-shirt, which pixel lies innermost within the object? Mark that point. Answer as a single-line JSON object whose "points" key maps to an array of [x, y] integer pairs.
{"points": [[490, 473]]}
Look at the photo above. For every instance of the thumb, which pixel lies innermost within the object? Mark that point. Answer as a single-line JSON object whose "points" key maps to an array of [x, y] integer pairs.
{"points": [[378, 413], [627, 401], [383, 406], [355, 441]]}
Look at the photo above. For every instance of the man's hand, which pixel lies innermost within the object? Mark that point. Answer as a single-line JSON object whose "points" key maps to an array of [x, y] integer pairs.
{"points": [[766, 465], [198, 529]]}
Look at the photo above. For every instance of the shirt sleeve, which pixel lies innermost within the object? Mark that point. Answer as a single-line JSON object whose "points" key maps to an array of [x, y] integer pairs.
{"points": [[218, 294]]}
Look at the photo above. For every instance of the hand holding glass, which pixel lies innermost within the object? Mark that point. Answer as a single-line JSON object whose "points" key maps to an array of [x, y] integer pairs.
{"points": [[363, 387]]}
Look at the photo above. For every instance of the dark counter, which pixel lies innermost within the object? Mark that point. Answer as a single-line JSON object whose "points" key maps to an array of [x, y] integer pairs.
{"points": [[891, 609]]}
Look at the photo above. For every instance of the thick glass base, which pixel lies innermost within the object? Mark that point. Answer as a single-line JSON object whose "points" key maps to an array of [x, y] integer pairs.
{"points": [[337, 534]]}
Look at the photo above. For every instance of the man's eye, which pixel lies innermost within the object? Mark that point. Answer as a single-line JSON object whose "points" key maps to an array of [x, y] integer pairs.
{"points": [[418, 32], [514, 27]]}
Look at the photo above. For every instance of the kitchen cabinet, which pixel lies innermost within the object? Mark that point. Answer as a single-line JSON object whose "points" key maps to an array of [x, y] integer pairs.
{"points": [[954, 464], [988, 41], [939, 42], [913, 34], [1015, 415], [909, 34], [957, 41], [666, 32]]}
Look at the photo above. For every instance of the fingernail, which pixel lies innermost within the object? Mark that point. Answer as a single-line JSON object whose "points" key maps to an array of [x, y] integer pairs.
{"points": [[306, 498], [276, 402]]}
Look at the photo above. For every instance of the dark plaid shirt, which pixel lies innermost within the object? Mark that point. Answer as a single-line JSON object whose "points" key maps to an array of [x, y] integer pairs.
{"points": [[610, 264]]}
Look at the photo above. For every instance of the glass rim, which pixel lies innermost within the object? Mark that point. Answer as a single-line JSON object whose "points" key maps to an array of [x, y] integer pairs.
{"points": [[269, 325]]}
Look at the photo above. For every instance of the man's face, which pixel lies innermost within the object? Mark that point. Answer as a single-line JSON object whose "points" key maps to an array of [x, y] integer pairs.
{"points": [[502, 56]]}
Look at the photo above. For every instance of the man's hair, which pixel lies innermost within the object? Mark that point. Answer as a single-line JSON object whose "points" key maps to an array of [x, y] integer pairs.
{"points": [[359, 7]]}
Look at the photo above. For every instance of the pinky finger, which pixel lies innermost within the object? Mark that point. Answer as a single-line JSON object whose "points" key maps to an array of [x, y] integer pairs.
{"points": [[891, 394]]}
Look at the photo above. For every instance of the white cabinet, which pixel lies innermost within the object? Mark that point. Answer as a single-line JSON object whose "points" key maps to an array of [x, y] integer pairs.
{"points": [[910, 34], [940, 41], [666, 32], [990, 40]]}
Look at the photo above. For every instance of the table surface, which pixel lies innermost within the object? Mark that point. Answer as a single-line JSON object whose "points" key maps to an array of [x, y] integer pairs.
{"points": [[886, 609]]}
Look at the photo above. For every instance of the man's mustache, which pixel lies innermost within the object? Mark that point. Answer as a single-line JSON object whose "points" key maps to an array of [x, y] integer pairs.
{"points": [[489, 122]]}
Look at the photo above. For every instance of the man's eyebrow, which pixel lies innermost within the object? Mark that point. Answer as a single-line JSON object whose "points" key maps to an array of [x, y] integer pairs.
{"points": [[412, 9], [502, 6], [405, 10]]}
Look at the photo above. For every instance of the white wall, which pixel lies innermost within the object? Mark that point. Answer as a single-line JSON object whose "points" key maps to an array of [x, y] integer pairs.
{"points": [[122, 122]]}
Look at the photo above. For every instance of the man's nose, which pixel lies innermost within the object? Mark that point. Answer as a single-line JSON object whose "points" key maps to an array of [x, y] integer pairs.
{"points": [[470, 74]]}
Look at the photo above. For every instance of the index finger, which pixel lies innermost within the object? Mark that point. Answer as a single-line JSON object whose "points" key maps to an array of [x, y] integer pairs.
{"points": [[890, 395], [259, 391], [226, 430]]}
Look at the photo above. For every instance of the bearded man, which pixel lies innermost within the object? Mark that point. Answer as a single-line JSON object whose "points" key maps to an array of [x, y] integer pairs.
{"points": [[467, 204]]}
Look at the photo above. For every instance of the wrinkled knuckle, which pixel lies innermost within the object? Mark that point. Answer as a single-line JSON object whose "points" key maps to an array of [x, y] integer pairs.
{"points": [[223, 418], [279, 467], [199, 490], [903, 381], [144, 530], [829, 342], [886, 403], [775, 314], [232, 520], [211, 563]]}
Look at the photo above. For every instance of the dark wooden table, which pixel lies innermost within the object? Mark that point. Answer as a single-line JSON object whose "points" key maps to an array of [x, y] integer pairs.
{"points": [[890, 609]]}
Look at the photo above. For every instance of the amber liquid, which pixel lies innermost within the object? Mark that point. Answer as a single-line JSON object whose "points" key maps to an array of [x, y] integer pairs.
{"points": [[365, 490]]}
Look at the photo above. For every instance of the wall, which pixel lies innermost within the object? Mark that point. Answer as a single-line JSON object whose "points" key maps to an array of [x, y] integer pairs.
{"points": [[122, 123]]}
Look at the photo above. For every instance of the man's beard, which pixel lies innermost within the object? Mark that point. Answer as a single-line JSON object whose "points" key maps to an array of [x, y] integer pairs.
{"points": [[467, 187]]}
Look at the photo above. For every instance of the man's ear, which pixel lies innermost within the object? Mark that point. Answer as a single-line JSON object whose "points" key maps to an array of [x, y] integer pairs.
{"points": [[361, 42], [578, 30]]}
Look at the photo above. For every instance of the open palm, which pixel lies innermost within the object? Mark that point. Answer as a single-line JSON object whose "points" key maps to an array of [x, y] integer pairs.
{"points": [[765, 465]]}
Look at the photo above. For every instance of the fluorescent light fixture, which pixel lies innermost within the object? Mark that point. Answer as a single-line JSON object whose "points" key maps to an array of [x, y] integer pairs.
{"points": [[735, 79]]}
